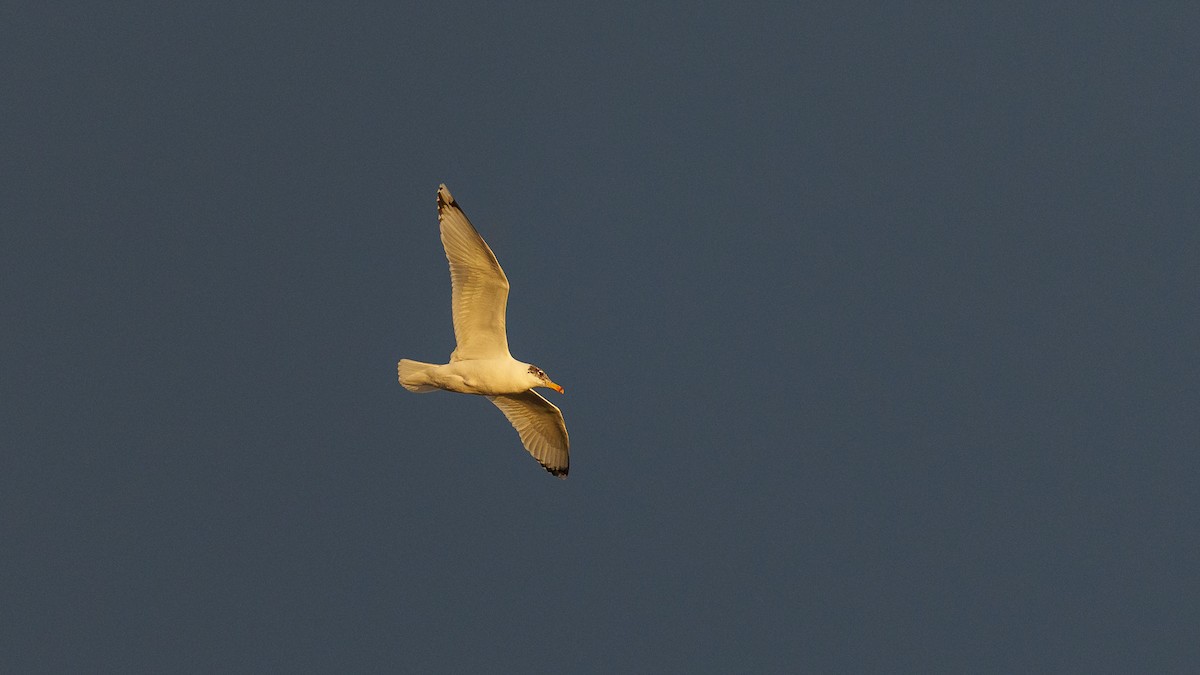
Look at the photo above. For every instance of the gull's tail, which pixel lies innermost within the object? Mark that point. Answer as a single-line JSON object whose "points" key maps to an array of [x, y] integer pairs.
{"points": [[414, 375]]}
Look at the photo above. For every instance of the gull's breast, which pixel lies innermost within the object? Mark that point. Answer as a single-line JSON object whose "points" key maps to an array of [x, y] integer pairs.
{"points": [[492, 377]]}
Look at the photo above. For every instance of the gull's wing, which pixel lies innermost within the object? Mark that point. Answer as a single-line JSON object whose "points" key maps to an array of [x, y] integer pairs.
{"points": [[479, 289], [540, 425]]}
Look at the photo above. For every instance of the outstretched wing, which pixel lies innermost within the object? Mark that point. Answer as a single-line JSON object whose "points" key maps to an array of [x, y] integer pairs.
{"points": [[479, 289], [541, 427]]}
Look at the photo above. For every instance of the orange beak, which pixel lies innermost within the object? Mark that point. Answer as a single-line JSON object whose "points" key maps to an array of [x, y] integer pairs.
{"points": [[555, 387]]}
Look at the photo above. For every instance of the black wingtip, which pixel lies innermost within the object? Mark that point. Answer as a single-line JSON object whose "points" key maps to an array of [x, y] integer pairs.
{"points": [[444, 198]]}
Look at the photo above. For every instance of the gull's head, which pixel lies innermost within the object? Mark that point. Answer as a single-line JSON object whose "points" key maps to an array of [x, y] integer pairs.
{"points": [[542, 380]]}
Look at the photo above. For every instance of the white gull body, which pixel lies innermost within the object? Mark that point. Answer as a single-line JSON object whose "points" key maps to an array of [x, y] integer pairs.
{"points": [[481, 363]]}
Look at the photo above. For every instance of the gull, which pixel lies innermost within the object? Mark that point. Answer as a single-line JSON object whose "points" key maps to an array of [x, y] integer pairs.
{"points": [[481, 363]]}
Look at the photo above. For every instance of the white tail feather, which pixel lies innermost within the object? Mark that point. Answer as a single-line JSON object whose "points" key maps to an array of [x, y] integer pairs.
{"points": [[414, 375]]}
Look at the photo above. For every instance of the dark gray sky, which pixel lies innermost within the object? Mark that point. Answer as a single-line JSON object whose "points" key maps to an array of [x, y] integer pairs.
{"points": [[878, 326]]}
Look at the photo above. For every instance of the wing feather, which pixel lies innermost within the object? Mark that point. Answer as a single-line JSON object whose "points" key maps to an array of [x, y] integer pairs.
{"points": [[540, 425], [479, 289]]}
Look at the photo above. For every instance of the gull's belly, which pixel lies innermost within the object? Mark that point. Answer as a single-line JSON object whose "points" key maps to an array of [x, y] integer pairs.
{"points": [[487, 378]]}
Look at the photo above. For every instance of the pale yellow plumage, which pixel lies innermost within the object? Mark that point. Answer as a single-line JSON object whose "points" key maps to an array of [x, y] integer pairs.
{"points": [[541, 428], [481, 363], [479, 289]]}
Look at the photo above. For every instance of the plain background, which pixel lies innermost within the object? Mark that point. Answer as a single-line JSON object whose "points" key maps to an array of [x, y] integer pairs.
{"points": [[878, 325]]}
